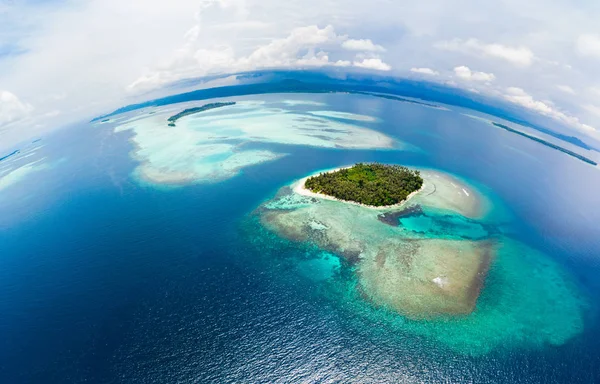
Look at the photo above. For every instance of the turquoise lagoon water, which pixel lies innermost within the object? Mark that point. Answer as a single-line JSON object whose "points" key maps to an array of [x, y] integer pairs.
{"points": [[134, 260]]}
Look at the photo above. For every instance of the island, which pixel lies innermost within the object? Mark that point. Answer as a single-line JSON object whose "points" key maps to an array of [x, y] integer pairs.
{"points": [[16, 151], [369, 184], [411, 236], [546, 143], [191, 111]]}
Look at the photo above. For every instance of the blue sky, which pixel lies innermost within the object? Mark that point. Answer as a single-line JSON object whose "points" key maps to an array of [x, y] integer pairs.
{"points": [[62, 61]]}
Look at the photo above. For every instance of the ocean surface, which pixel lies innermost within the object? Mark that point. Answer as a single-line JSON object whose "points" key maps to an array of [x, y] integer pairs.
{"points": [[108, 278]]}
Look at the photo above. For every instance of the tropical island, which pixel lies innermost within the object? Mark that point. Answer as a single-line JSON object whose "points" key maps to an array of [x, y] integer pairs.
{"points": [[191, 111], [414, 256], [373, 184]]}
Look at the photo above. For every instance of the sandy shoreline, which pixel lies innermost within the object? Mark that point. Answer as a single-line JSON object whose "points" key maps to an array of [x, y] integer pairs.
{"points": [[300, 189]]}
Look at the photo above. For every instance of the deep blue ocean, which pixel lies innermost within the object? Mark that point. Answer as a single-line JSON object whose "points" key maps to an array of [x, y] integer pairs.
{"points": [[104, 280]]}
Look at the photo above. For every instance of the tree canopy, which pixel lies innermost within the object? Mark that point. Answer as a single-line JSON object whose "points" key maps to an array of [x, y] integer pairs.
{"points": [[371, 184]]}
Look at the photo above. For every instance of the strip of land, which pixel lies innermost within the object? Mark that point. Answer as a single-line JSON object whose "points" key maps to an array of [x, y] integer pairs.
{"points": [[10, 154], [191, 111], [546, 143]]}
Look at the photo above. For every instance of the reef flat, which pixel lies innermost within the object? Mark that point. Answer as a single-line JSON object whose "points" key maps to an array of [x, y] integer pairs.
{"points": [[13, 176], [211, 147], [397, 267], [436, 266]]}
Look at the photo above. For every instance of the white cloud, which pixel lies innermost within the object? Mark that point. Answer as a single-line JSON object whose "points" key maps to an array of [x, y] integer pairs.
{"points": [[304, 47], [284, 52], [365, 45], [425, 71], [589, 45], [465, 73], [566, 89], [88, 71], [520, 56], [342, 63], [11, 108], [519, 96], [372, 63], [592, 109]]}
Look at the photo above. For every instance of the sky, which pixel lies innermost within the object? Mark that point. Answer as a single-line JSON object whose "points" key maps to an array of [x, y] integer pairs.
{"points": [[62, 61]]}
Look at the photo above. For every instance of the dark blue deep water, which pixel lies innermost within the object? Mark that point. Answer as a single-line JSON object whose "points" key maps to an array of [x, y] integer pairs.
{"points": [[103, 280]]}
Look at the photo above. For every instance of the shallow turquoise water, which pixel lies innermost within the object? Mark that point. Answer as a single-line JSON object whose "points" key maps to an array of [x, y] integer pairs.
{"points": [[445, 225], [517, 308]]}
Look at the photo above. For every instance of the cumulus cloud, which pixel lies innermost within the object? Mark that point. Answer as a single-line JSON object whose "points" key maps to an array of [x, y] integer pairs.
{"points": [[425, 71], [303, 47], [343, 63], [372, 63], [519, 96], [520, 56], [466, 73], [224, 36], [589, 45], [365, 45], [284, 52], [11, 108]]}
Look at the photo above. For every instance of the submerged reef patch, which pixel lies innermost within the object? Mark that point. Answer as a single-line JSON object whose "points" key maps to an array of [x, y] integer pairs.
{"points": [[210, 146], [435, 267], [407, 271], [13, 176], [18, 165]]}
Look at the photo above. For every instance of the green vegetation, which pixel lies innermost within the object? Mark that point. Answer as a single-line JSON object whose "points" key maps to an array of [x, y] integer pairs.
{"points": [[191, 111], [371, 184]]}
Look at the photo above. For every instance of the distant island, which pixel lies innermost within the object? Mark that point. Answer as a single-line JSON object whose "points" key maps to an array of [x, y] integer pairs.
{"points": [[369, 184], [191, 111], [546, 143], [396, 98], [9, 155]]}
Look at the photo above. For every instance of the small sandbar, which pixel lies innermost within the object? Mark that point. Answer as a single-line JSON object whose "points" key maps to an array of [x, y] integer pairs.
{"points": [[345, 116], [294, 103], [447, 192]]}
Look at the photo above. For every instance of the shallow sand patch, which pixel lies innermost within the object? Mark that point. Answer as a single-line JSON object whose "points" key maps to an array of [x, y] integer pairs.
{"points": [[210, 146], [427, 277]]}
